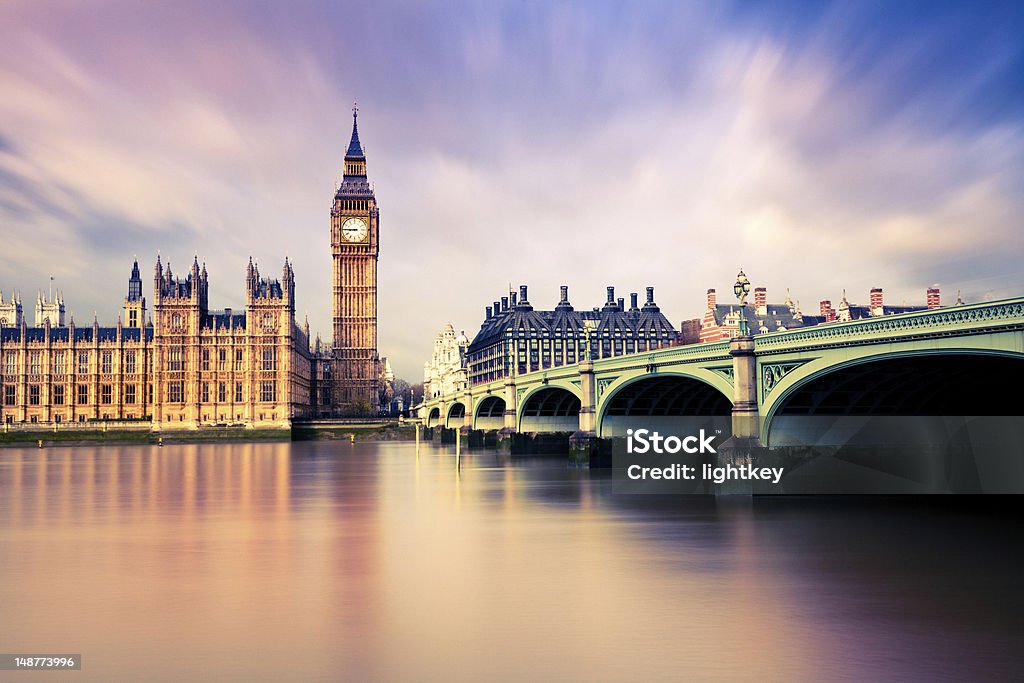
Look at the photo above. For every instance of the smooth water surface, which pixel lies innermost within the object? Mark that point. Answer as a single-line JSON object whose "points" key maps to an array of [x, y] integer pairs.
{"points": [[318, 561]]}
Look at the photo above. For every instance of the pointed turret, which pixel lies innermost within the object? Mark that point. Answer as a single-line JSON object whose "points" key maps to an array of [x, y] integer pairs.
{"points": [[135, 282], [355, 160], [135, 303], [355, 149], [843, 312]]}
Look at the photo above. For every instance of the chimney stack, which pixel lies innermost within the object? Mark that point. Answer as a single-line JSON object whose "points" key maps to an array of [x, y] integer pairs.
{"points": [[564, 289], [488, 316], [712, 302], [877, 305], [761, 301], [504, 304], [622, 304], [826, 311], [632, 301], [522, 295], [611, 304], [933, 297]]}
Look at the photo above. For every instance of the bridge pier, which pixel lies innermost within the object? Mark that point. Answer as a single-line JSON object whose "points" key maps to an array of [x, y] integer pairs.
{"points": [[584, 445], [740, 448], [745, 416], [507, 433]]}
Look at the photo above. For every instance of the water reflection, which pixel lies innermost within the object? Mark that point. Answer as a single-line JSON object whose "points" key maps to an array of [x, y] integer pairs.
{"points": [[328, 561]]}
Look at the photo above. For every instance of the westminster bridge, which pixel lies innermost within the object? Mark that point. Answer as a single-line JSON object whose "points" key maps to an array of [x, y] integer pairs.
{"points": [[960, 360]]}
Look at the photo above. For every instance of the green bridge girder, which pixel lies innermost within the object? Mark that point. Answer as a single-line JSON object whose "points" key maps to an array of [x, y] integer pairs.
{"points": [[783, 362]]}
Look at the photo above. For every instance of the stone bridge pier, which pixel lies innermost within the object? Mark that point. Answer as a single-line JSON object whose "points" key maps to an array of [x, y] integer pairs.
{"points": [[584, 444], [742, 447]]}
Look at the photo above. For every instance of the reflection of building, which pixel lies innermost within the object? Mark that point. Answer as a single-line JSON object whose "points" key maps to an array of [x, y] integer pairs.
{"points": [[189, 366], [721, 321], [513, 332], [445, 373]]}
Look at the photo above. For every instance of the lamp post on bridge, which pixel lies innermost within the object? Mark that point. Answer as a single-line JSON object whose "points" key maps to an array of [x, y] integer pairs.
{"points": [[741, 289], [741, 446]]}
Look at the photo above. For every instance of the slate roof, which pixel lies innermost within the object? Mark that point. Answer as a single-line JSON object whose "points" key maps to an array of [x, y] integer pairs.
{"points": [[780, 316], [859, 312], [223, 319], [523, 320], [83, 335], [355, 149]]}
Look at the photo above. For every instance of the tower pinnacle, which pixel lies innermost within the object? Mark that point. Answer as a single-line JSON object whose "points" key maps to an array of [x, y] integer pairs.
{"points": [[355, 149]]}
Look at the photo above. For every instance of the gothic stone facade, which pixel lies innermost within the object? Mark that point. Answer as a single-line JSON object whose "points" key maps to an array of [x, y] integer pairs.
{"points": [[445, 374], [188, 367]]}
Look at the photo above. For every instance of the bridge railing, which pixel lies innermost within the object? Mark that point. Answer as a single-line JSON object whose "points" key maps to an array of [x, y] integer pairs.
{"points": [[967, 317]]}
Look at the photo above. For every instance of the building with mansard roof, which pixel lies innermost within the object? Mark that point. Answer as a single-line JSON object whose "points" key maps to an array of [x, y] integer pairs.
{"points": [[516, 338]]}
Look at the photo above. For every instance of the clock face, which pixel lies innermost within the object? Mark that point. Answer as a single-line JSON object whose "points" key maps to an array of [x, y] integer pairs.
{"points": [[354, 230]]}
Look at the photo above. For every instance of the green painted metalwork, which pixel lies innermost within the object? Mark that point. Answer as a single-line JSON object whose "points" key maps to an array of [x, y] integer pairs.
{"points": [[788, 359]]}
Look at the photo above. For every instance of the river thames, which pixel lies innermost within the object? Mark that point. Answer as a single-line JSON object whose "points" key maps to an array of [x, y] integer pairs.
{"points": [[323, 561]]}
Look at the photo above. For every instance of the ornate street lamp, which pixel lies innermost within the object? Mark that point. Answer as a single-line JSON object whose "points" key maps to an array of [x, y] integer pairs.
{"points": [[741, 289]]}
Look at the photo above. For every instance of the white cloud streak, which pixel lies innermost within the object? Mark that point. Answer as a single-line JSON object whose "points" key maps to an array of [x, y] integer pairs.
{"points": [[582, 163]]}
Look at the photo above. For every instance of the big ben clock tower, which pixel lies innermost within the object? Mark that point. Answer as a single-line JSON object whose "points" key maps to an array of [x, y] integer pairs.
{"points": [[354, 248]]}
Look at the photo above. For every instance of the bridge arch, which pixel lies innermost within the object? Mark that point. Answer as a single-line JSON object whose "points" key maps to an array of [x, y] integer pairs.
{"points": [[456, 416], [549, 408], [434, 417], [659, 395], [490, 413], [922, 382]]}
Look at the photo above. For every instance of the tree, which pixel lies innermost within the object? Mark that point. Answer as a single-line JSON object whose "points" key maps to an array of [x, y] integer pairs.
{"points": [[400, 390]]}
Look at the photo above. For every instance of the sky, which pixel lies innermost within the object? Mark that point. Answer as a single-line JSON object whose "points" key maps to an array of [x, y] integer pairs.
{"points": [[819, 146]]}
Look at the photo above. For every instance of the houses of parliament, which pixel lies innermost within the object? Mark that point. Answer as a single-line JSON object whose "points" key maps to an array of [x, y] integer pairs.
{"points": [[183, 365]]}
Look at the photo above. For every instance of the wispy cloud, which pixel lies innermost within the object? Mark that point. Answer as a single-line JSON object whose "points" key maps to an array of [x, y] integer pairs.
{"points": [[587, 144]]}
